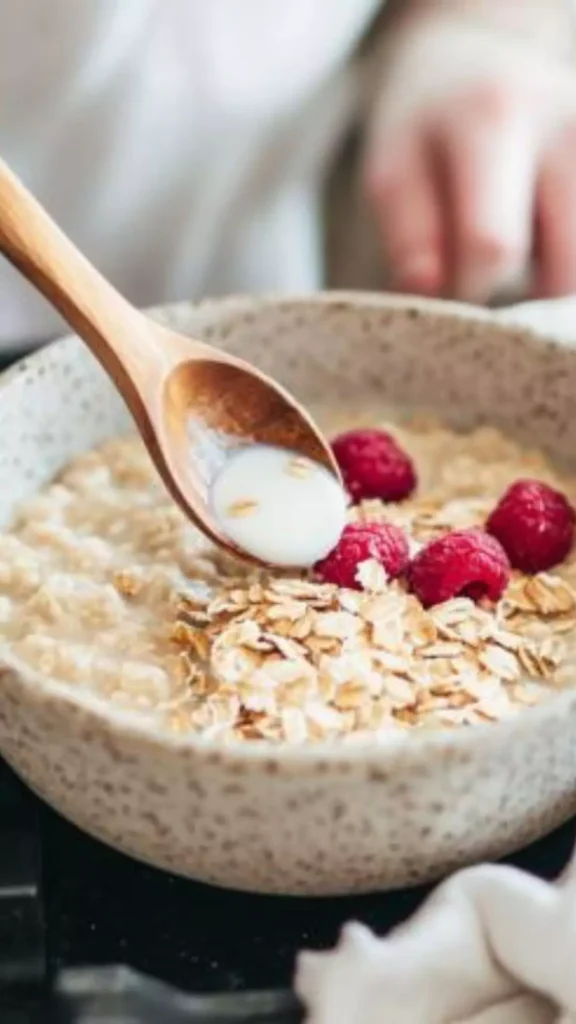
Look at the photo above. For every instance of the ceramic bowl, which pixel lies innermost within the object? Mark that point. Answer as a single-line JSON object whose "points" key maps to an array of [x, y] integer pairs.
{"points": [[324, 819]]}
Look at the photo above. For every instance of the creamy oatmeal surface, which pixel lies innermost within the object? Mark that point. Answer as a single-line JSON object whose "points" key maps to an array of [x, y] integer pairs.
{"points": [[104, 585]]}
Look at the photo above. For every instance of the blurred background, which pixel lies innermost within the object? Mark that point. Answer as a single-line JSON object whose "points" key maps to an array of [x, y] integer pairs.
{"points": [[195, 149]]}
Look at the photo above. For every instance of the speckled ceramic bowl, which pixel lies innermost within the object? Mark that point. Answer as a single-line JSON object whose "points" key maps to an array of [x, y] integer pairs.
{"points": [[326, 819]]}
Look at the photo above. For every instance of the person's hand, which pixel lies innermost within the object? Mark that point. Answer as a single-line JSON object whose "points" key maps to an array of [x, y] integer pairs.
{"points": [[471, 161]]}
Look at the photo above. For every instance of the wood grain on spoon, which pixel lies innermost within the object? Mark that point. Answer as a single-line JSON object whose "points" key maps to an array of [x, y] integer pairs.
{"points": [[190, 401]]}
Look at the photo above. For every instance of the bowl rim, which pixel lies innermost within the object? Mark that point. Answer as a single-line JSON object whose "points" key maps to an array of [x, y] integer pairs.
{"points": [[131, 726]]}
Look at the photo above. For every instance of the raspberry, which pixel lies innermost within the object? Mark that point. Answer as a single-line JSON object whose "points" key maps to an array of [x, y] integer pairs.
{"points": [[359, 542], [374, 466], [534, 524], [463, 563]]}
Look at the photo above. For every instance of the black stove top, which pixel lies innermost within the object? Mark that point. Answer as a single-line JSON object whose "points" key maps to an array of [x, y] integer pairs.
{"points": [[88, 935]]}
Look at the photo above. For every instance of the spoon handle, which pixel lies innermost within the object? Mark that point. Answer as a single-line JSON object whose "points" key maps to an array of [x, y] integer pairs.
{"points": [[37, 247]]}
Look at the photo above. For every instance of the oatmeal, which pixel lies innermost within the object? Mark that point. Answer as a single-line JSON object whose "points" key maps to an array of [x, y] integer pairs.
{"points": [[104, 585]]}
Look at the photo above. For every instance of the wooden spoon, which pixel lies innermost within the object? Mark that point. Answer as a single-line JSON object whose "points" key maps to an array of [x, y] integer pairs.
{"points": [[191, 402]]}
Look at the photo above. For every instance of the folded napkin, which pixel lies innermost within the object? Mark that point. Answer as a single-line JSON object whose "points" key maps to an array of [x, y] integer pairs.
{"points": [[492, 945]]}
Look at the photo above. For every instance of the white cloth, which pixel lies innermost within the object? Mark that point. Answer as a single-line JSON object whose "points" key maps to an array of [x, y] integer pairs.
{"points": [[180, 143], [492, 945]]}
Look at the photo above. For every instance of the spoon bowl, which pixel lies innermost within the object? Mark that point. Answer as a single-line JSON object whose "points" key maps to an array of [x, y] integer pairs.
{"points": [[210, 407], [192, 403], [234, 400]]}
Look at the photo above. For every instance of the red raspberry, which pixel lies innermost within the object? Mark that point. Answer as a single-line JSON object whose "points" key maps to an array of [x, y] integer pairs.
{"points": [[374, 466], [463, 563], [534, 524], [360, 541]]}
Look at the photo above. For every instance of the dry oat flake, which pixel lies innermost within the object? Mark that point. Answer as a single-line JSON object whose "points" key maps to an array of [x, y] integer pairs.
{"points": [[187, 639]]}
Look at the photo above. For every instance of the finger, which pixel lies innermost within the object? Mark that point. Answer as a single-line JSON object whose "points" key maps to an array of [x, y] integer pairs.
{"points": [[556, 213], [489, 164], [401, 186]]}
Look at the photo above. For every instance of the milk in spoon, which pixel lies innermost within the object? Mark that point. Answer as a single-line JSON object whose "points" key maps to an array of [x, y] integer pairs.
{"points": [[278, 506]]}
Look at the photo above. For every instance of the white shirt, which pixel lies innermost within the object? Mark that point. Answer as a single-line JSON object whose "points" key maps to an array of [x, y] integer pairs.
{"points": [[180, 143]]}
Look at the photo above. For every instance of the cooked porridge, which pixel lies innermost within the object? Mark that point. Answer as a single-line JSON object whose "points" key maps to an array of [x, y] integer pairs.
{"points": [[104, 585]]}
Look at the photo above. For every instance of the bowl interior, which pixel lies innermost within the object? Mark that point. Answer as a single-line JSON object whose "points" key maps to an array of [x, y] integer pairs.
{"points": [[346, 351]]}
